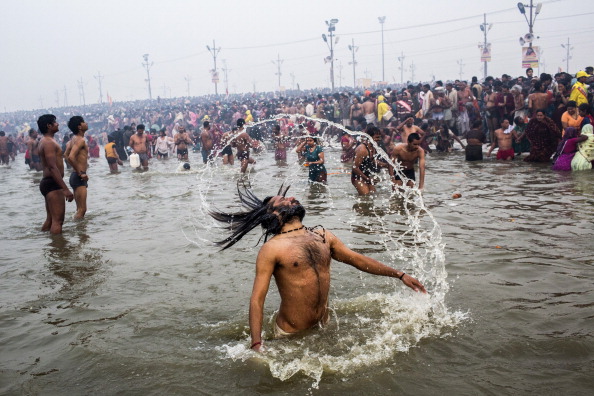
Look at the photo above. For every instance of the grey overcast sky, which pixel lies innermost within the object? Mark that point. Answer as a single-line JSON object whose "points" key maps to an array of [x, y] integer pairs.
{"points": [[49, 47]]}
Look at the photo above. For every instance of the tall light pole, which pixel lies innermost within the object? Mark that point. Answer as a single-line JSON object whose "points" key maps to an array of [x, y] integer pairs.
{"points": [[331, 29], [226, 70], [401, 60], [412, 71], [188, 79], [215, 74], [461, 64], [568, 56], [99, 78], [533, 14], [353, 49], [148, 66], [381, 20], [81, 91], [278, 62], [485, 27]]}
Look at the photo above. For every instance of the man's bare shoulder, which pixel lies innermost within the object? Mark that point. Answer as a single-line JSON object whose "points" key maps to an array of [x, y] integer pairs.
{"points": [[47, 143], [361, 149], [80, 142], [398, 148]]}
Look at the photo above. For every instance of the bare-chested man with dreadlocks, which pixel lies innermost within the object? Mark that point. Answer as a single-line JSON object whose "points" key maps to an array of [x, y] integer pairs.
{"points": [[299, 259]]}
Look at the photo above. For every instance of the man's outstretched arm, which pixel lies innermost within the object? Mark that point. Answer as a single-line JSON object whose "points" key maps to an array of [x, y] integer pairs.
{"points": [[363, 263], [264, 269]]}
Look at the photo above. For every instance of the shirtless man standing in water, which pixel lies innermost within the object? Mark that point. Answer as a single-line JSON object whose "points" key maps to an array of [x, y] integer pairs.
{"points": [[407, 154], [207, 141], [407, 127], [244, 143], [52, 186], [299, 260], [369, 110], [4, 154], [33, 147], [139, 145], [503, 139], [182, 141], [77, 155]]}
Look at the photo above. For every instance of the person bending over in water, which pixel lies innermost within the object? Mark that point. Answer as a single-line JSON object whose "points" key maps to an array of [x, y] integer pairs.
{"points": [[298, 257]]}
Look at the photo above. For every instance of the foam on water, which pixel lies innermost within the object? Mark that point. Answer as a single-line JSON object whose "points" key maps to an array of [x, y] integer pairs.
{"points": [[366, 329]]}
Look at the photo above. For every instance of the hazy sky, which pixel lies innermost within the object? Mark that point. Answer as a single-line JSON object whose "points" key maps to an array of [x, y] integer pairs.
{"points": [[49, 47]]}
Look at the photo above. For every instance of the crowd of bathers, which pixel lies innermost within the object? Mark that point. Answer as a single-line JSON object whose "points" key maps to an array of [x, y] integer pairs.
{"points": [[443, 112]]}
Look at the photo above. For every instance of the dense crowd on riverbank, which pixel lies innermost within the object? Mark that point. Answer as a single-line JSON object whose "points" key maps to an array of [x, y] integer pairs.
{"points": [[441, 112]]}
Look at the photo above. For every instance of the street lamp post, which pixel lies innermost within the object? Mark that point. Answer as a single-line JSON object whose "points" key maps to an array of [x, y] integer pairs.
{"points": [[148, 66], [331, 28], [568, 56], [533, 13], [381, 20], [278, 64], [353, 49], [522, 8], [401, 60], [215, 75], [485, 27]]}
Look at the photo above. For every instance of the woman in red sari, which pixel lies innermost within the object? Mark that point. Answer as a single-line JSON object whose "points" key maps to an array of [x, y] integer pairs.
{"points": [[93, 147], [544, 136]]}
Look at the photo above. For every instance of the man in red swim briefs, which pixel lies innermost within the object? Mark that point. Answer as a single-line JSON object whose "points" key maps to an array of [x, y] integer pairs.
{"points": [[503, 139]]}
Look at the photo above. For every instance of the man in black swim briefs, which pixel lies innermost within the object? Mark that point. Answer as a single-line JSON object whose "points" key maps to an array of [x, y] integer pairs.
{"points": [[407, 154], [52, 186]]}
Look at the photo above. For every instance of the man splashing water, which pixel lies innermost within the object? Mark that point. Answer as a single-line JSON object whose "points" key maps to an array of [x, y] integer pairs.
{"points": [[299, 259]]}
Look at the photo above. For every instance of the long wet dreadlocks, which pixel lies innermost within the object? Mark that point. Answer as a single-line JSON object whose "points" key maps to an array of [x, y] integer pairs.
{"points": [[260, 212]]}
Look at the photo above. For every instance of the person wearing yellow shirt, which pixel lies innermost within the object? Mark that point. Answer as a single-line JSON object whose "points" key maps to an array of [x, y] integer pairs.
{"points": [[248, 117], [111, 154], [382, 108], [579, 90]]}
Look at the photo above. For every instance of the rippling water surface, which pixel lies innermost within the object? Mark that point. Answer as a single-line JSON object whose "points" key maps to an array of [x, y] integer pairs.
{"points": [[134, 299]]}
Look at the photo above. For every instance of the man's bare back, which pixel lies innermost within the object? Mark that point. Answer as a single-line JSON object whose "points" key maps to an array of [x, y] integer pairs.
{"points": [[299, 260], [206, 139], [368, 107], [243, 142], [538, 101], [302, 275]]}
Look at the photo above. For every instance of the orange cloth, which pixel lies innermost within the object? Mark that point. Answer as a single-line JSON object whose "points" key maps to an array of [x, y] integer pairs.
{"points": [[110, 150], [571, 122]]}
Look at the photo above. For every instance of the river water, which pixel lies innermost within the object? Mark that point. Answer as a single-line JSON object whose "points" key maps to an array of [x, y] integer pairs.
{"points": [[135, 300]]}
